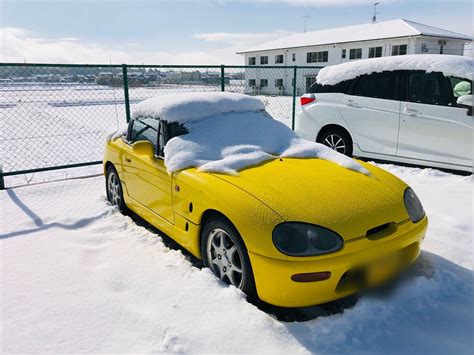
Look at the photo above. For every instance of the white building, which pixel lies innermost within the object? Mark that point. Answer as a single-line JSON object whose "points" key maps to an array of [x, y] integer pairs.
{"points": [[338, 45]]}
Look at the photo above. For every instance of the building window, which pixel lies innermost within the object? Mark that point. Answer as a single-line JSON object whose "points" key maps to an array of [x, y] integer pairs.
{"points": [[355, 53], [279, 59], [293, 57], [264, 59], [399, 49], [278, 83], [310, 80], [375, 52], [343, 54], [252, 61], [252, 82], [316, 57], [263, 83]]}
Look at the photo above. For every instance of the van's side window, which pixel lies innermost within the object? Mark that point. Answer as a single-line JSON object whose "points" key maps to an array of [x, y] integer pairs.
{"points": [[145, 129], [342, 88], [377, 85], [428, 88]]}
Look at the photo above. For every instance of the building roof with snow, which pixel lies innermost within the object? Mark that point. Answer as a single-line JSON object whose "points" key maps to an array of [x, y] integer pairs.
{"points": [[366, 32]]}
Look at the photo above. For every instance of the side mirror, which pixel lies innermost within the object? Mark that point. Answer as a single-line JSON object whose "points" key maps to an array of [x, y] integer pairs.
{"points": [[144, 148], [466, 102]]}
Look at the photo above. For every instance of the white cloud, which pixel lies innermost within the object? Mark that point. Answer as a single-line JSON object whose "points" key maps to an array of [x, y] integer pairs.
{"points": [[19, 45], [241, 40]]}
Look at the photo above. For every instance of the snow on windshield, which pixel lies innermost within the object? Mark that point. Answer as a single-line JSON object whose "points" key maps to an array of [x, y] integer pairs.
{"points": [[449, 65], [227, 143]]}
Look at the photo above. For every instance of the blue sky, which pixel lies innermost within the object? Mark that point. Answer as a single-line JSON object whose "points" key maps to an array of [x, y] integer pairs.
{"points": [[188, 31]]}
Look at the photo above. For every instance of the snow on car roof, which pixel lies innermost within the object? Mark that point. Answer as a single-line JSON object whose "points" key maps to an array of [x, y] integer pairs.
{"points": [[228, 132], [449, 65], [194, 106]]}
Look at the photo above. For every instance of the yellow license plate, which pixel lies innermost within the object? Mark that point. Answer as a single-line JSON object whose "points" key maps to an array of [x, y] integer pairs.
{"points": [[383, 270]]}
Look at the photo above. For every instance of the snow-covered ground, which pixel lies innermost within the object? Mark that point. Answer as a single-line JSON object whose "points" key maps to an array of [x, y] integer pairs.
{"points": [[77, 276]]}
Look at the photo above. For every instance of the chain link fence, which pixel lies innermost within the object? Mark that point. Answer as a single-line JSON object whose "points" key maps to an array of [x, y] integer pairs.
{"points": [[56, 116]]}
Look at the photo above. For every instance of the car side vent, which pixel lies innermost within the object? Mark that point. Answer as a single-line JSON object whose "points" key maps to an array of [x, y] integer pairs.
{"points": [[381, 231]]}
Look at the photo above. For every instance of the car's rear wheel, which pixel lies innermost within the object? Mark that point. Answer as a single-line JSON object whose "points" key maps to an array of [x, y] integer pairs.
{"points": [[337, 139], [225, 254], [114, 189]]}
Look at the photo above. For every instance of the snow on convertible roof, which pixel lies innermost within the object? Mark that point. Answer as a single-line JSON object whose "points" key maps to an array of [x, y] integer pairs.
{"points": [[194, 106], [228, 132], [449, 65]]}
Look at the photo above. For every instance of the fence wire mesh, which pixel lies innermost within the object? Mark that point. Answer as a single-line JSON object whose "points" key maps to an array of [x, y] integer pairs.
{"points": [[54, 116]]}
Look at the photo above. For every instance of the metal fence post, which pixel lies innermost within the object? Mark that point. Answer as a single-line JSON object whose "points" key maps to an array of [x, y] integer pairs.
{"points": [[222, 78], [2, 182], [125, 91], [294, 99]]}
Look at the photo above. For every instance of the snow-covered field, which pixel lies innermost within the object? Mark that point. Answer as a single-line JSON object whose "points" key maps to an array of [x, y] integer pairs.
{"points": [[77, 276], [50, 125]]}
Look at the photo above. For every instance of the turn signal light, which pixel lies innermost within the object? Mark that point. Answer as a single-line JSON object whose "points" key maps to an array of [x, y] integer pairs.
{"points": [[306, 99], [311, 276]]}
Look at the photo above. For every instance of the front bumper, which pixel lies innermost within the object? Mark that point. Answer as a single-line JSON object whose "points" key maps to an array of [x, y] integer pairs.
{"points": [[273, 276]]}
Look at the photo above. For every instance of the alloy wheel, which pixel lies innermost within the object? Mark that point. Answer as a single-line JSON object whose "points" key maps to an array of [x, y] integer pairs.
{"points": [[336, 143], [114, 189], [224, 257]]}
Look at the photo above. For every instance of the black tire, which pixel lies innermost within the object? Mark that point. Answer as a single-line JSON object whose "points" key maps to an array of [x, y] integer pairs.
{"points": [[336, 137], [214, 224], [115, 198]]}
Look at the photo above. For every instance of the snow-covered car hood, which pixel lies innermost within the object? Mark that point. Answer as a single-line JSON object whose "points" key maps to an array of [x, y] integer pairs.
{"points": [[321, 192]]}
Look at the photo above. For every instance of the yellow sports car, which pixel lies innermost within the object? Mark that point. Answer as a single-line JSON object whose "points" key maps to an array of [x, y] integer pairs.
{"points": [[290, 221]]}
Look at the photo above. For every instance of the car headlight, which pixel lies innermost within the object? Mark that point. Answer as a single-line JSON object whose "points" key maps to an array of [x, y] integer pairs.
{"points": [[413, 205], [303, 239]]}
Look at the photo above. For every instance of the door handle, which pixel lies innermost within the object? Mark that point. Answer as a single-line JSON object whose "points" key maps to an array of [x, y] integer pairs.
{"points": [[352, 103], [411, 112], [128, 160]]}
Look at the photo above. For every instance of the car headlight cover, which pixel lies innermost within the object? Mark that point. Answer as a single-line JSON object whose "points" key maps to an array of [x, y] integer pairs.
{"points": [[413, 205], [304, 239]]}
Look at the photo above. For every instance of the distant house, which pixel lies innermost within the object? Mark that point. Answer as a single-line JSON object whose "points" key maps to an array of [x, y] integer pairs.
{"points": [[342, 44]]}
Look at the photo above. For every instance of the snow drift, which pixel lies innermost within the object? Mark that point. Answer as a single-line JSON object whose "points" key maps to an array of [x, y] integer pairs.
{"points": [[229, 132], [449, 65]]}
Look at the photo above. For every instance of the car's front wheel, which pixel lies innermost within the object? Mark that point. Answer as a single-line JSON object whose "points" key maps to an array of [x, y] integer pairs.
{"points": [[337, 139], [225, 254], [114, 189]]}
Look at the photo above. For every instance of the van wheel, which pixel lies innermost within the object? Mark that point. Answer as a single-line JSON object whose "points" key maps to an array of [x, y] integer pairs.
{"points": [[337, 139], [225, 254]]}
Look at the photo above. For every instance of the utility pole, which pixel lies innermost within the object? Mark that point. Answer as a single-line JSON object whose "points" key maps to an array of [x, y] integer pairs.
{"points": [[374, 18], [305, 18]]}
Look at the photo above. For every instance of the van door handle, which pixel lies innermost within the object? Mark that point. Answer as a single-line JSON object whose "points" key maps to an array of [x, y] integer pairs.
{"points": [[128, 160], [352, 103], [410, 112]]}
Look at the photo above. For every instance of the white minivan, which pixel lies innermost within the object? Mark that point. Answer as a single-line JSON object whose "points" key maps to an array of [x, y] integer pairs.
{"points": [[415, 110]]}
